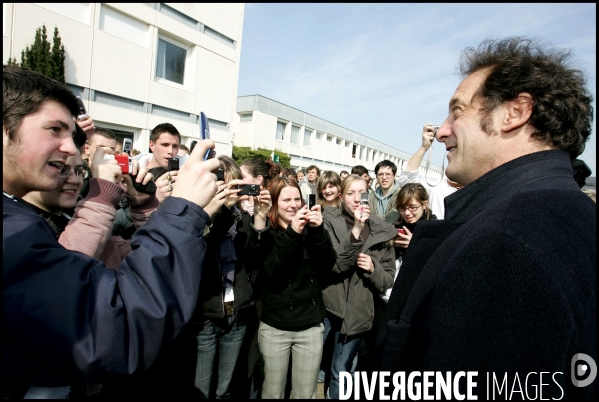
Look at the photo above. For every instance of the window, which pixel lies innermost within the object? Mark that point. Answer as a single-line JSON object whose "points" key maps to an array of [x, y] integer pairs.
{"points": [[294, 134], [170, 63], [329, 138], [280, 131], [246, 117], [219, 36], [353, 151], [338, 141], [347, 143], [374, 156], [361, 153], [307, 136], [178, 15], [318, 135]]}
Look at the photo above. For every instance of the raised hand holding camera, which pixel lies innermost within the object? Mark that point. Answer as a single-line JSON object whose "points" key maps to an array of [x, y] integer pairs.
{"points": [[195, 180], [104, 166], [314, 216]]}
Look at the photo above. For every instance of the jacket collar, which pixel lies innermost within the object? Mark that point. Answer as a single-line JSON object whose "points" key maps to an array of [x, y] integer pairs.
{"points": [[380, 230], [540, 170], [378, 193]]}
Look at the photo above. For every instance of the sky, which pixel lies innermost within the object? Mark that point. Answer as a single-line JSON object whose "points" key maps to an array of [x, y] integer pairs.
{"points": [[385, 70]]}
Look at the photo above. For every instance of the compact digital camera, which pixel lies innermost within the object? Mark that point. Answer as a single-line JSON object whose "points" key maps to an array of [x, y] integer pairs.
{"points": [[249, 189]]}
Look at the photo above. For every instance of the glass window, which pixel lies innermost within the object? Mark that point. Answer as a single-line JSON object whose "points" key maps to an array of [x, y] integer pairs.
{"points": [[280, 131], [361, 153], [318, 135], [329, 138], [246, 117], [295, 134], [338, 141], [347, 143], [170, 63], [307, 136]]}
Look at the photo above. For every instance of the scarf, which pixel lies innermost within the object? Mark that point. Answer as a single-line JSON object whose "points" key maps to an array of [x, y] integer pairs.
{"points": [[226, 257]]}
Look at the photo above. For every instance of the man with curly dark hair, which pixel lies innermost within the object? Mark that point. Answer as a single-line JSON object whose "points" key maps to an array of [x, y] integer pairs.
{"points": [[505, 285]]}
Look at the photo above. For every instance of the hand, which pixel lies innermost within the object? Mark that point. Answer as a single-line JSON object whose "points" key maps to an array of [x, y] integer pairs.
{"points": [[128, 180], [218, 200], [197, 183], [403, 240], [314, 217], [299, 221], [232, 190], [428, 135], [88, 126], [107, 169], [165, 185], [365, 262], [262, 204]]}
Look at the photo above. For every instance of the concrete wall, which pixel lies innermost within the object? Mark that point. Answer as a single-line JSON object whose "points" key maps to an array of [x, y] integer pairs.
{"points": [[111, 48]]}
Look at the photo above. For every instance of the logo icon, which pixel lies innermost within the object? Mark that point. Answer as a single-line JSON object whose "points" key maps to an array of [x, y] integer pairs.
{"points": [[583, 365]]}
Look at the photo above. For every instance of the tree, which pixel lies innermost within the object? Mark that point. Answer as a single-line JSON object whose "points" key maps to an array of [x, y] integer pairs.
{"points": [[43, 57], [240, 154]]}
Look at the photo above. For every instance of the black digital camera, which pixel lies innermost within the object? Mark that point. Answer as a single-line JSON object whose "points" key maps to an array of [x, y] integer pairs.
{"points": [[249, 189]]}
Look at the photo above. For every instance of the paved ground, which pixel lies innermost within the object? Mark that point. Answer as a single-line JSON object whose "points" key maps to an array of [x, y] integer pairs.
{"points": [[320, 391]]}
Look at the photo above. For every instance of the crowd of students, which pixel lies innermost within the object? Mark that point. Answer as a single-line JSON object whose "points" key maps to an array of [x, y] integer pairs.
{"points": [[167, 282]]}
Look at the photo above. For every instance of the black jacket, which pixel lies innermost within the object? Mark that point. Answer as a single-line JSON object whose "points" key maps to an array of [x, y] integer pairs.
{"points": [[506, 283], [67, 319], [210, 302], [291, 276]]}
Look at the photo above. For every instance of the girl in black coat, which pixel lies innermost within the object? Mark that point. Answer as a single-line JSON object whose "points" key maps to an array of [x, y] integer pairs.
{"points": [[296, 251]]}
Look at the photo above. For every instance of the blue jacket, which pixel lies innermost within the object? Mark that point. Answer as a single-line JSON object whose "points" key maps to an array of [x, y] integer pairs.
{"points": [[67, 319], [505, 284]]}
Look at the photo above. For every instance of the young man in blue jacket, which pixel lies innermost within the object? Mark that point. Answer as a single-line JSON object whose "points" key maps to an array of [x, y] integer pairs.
{"points": [[504, 288], [66, 319]]}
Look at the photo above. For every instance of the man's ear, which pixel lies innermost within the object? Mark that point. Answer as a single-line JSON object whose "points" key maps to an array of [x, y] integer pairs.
{"points": [[152, 146], [518, 112]]}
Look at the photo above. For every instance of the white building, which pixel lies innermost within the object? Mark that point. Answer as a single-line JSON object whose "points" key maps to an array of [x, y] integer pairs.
{"points": [[137, 65], [310, 140]]}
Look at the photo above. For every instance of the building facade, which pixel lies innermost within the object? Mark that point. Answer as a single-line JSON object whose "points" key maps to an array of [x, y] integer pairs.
{"points": [[137, 65], [309, 140]]}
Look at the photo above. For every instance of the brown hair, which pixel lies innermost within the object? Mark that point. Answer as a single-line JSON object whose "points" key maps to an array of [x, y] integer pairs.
{"points": [[261, 167], [275, 187], [415, 191], [25, 91], [327, 177]]}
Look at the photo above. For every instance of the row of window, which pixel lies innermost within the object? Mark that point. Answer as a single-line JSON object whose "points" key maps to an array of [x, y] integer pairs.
{"points": [[370, 156]]}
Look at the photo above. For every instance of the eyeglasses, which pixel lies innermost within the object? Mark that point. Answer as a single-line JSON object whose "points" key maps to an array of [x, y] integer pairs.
{"points": [[66, 172], [411, 209]]}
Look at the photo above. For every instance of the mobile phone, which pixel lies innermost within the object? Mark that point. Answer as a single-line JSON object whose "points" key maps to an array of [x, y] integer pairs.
{"points": [[205, 134], [82, 112], [127, 145], [399, 230], [249, 189], [435, 129], [311, 201], [193, 145], [173, 164], [364, 198], [125, 163]]}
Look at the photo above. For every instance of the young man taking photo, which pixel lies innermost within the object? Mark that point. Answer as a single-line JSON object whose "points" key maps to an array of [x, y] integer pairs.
{"points": [[66, 319]]}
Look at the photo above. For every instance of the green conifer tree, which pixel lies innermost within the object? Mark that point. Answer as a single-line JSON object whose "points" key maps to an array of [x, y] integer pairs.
{"points": [[43, 57]]}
